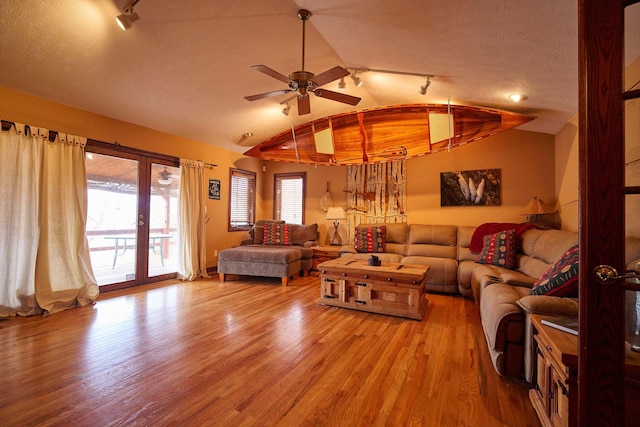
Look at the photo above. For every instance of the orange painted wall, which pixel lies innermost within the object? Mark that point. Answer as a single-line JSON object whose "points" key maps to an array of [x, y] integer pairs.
{"points": [[526, 160]]}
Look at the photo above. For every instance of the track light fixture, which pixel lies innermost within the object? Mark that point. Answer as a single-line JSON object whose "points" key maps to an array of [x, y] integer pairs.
{"points": [[341, 83], [286, 108], [356, 80], [128, 17], [425, 88]]}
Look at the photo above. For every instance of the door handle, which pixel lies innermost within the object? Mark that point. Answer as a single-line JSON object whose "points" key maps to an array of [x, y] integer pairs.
{"points": [[606, 274]]}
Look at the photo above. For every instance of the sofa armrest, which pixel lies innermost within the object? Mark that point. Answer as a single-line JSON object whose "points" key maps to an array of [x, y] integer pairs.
{"points": [[516, 278], [549, 305]]}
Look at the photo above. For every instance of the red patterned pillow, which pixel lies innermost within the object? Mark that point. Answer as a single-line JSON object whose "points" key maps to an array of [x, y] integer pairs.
{"points": [[499, 249], [561, 279], [371, 239], [276, 234]]}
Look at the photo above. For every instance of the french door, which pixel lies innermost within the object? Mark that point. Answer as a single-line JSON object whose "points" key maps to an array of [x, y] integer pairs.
{"points": [[609, 186], [132, 215]]}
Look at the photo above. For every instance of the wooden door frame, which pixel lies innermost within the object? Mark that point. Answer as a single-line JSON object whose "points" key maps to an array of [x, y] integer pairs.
{"points": [[145, 160], [601, 207]]}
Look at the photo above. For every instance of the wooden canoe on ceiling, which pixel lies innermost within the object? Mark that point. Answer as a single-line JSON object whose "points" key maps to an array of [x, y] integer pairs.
{"points": [[385, 133]]}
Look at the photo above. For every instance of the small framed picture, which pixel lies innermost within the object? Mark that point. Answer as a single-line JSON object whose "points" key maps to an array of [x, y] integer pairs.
{"points": [[214, 189]]}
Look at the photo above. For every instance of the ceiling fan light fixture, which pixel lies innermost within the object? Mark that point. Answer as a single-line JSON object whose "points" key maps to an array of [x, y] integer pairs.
{"points": [[425, 87], [126, 19], [165, 177]]}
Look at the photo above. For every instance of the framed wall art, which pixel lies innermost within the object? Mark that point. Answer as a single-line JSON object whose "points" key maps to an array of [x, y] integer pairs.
{"points": [[214, 189], [479, 187]]}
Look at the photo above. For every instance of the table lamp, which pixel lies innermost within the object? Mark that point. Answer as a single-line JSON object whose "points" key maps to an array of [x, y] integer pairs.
{"points": [[336, 213]]}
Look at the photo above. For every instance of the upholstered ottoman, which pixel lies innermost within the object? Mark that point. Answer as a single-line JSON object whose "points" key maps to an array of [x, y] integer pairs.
{"points": [[261, 261]]}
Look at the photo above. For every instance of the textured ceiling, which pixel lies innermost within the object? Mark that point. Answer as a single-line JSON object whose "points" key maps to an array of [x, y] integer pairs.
{"points": [[185, 66]]}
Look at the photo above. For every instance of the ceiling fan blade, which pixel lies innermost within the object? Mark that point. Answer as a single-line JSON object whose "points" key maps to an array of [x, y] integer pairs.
{"points": [[272, 73], [304, 106], [337, 96], [267, 94], [330, 75]]}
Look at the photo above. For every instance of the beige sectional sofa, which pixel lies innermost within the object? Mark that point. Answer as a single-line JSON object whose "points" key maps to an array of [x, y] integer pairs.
{"points": [[502, 295], [432, 245]]}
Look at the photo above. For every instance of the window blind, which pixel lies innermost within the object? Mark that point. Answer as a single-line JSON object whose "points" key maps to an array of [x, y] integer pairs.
{"points": [[289, 198], [242, 199]]}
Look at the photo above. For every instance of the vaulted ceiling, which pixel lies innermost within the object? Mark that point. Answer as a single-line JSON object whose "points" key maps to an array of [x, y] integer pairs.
{"points": [[185, 67]]}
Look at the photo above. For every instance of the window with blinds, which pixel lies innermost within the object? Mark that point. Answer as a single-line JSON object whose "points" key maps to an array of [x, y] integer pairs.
{"points": [[289, 194], [242, 200]]}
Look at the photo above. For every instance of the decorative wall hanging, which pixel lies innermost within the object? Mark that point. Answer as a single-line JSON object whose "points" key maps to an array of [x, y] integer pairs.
{"points": [[377, 194], [470, 188]]}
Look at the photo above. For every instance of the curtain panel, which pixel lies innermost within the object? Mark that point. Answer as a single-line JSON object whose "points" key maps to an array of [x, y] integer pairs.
{"points": [[45, 266], [192, 248]]}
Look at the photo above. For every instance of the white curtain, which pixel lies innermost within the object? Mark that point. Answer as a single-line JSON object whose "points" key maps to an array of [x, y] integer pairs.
{"points": [[192, 259], [45, 265]]}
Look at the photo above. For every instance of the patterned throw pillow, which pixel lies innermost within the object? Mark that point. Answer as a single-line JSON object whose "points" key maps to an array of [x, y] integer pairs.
{"points": [[276, 234], [499, 249], [371, 239], [561, 279]]}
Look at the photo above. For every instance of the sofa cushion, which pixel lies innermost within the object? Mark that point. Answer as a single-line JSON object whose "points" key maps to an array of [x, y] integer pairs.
{"points": [[483, 230], [300, 234], [432, 241], [499, 249], [257, 232], [442, 271], [562, 278], [276, 234], [516, 278], [370, 239]]}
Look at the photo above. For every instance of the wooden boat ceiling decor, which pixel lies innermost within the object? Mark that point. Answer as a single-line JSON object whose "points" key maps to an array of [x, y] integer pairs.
{"points": [[385, 133]]}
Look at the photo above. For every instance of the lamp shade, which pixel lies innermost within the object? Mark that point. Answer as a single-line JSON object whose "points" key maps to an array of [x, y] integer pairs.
{"points": [[536, 207], [335, 213]]}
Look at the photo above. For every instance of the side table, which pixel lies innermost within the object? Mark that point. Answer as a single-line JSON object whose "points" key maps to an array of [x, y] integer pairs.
{"points": [[324, 253]]}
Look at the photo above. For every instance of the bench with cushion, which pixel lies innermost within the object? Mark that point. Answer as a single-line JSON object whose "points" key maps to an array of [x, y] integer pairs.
{"points": [[261, 261]]}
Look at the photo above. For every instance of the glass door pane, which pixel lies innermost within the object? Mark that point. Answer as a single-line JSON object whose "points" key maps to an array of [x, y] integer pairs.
{"points": [[163, 220], [112, 217]]}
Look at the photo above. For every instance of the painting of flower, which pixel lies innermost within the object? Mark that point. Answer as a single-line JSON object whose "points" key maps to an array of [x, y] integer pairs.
{"points": [[470, 188]]}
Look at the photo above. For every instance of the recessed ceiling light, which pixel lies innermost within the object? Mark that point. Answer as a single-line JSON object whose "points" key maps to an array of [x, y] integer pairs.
{"points": [[517, 97]]}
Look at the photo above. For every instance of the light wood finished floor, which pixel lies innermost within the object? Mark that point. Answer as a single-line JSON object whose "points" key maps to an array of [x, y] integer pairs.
{"points": [[248, 353]]}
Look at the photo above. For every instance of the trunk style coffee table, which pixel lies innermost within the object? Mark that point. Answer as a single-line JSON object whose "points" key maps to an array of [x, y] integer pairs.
{"points": [[391, 288]]}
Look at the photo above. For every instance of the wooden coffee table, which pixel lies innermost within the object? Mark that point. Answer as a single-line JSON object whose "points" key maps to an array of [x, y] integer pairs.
{"points": [[391, 288]]}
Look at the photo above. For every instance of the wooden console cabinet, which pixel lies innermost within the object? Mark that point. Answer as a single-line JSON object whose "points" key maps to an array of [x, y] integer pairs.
{"points": [[555, 394], [556, 374], [391, 288]]}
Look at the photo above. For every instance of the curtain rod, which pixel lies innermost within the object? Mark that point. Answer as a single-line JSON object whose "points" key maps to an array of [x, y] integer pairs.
{"points": [[6, 125]]}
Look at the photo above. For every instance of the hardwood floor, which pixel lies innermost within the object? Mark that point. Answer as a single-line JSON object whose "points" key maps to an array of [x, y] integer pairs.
{"points": [[251, 352]]}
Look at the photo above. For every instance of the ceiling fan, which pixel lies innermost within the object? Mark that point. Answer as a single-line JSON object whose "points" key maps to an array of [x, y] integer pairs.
{"points": [[302, 82]]}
